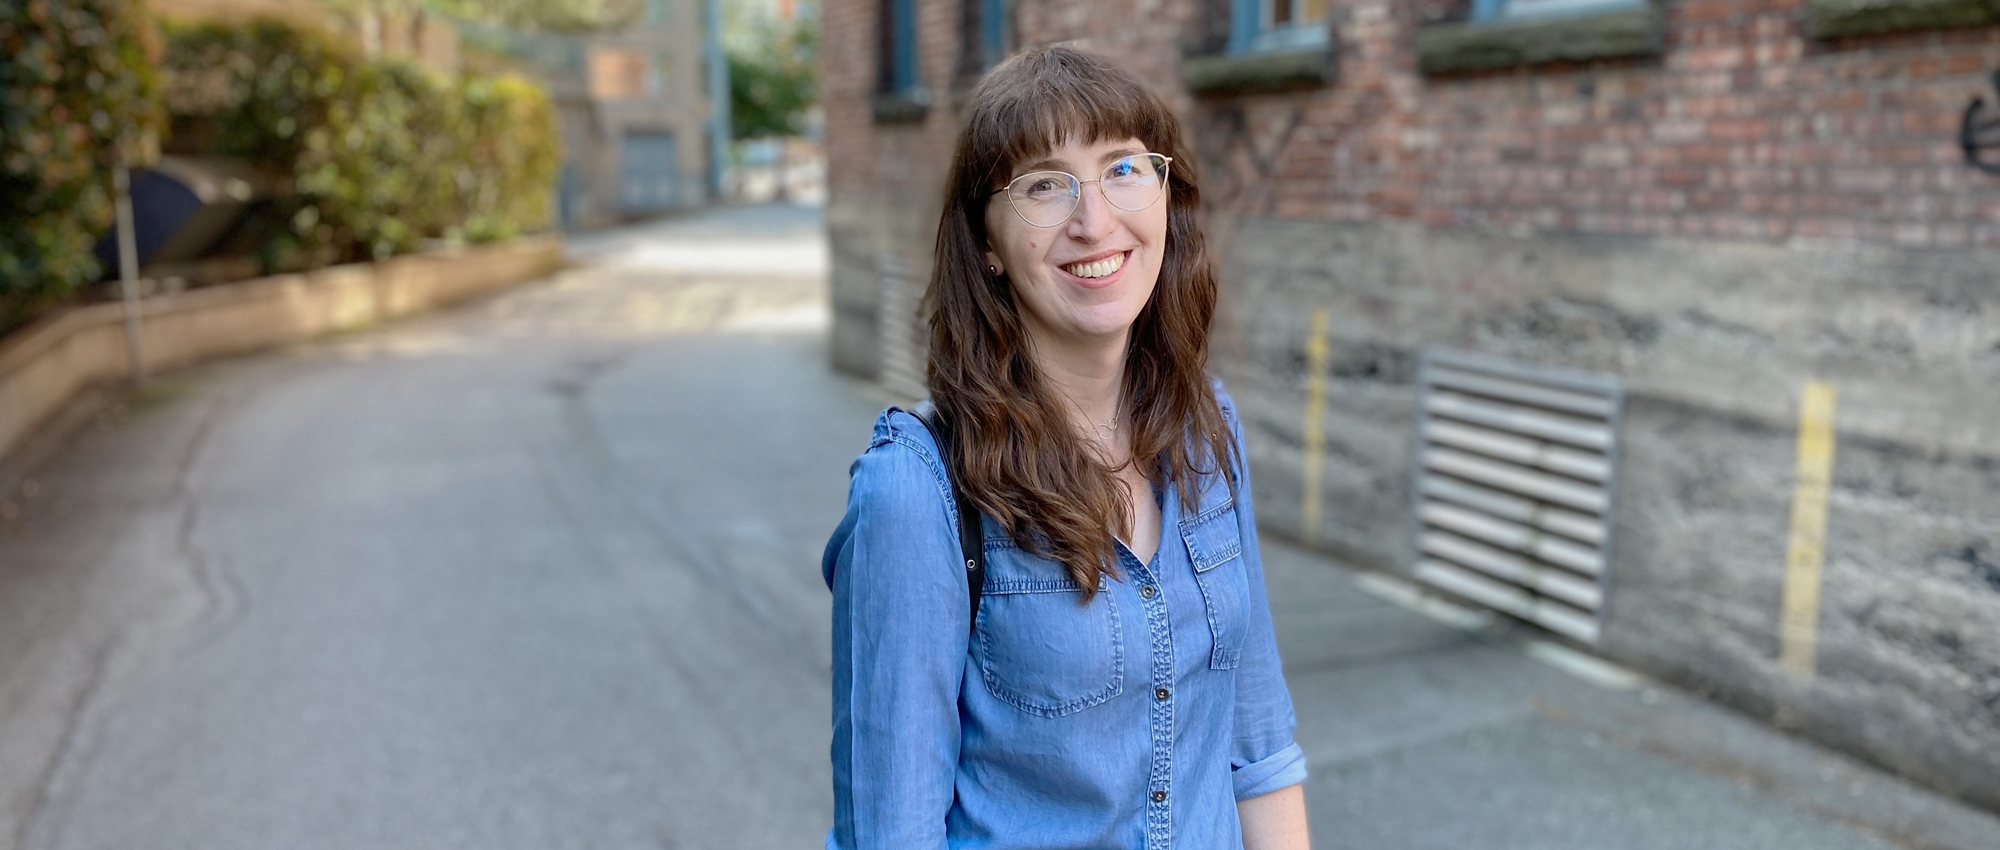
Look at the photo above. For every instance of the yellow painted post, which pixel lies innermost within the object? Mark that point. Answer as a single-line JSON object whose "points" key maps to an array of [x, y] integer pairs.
{"points": [[1315, 438], [1806, 551]]}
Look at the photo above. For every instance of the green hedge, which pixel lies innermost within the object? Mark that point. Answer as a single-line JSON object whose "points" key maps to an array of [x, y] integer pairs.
{"points": [[510, 175], [75, 87], [379, 154], [376, 156]]}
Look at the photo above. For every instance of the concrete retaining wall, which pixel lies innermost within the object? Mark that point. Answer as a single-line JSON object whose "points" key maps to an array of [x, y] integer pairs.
{"points": [[1714, 341], [43, 365], [865, 233]]}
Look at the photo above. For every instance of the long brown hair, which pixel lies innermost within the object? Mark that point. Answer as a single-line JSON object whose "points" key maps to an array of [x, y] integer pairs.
{"points": [[1015, 452]]}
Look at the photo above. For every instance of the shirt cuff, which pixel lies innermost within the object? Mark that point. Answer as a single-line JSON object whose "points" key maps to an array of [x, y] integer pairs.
{"points": [[1282, 769]]}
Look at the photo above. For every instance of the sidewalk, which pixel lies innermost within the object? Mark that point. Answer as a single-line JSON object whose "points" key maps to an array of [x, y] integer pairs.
{"points": [[1433, 726]]}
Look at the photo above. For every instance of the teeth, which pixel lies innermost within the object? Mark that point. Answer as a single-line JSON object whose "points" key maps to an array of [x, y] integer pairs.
{"points": [[1100, 268]]}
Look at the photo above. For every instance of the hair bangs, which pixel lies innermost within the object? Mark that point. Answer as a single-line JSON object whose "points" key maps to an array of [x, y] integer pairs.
{"points": [[1036, 102]]}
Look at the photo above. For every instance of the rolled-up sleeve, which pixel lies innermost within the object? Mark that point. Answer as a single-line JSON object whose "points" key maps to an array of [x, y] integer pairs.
{"points": [[1263, 756], [899, 647]]}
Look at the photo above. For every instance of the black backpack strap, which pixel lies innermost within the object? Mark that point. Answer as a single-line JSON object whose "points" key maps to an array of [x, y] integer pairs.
{"points": [[971, 543]]}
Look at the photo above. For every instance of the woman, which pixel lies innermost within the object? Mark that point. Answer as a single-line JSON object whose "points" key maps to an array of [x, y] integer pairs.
{"points": [[1119, 686]]}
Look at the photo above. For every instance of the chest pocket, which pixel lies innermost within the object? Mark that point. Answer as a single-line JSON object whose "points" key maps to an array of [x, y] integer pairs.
{"points": [[1038, 647], [1215, 545]]}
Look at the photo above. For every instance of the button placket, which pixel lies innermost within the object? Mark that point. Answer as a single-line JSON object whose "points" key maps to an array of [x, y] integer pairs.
{"points": [[1160, 645]]}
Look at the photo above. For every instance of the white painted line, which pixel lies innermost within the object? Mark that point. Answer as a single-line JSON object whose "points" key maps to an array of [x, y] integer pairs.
{"points": [[1582, 665], [1589, 668], [1406, 595], [813, 316]]}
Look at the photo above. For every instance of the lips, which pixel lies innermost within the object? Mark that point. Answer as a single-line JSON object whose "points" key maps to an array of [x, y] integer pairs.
{"points": [[1100, 268]]}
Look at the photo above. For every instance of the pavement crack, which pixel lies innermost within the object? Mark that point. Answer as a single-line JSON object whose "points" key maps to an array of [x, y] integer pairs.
{"points": [[89, 702], [57, 766], [647, 510]]}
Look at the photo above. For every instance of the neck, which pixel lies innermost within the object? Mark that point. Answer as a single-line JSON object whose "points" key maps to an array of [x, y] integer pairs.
{"points": [[1090, 374]]}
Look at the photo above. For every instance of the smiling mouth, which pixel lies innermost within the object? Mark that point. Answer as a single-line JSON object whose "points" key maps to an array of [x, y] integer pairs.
{"points": [[1097, 268]]}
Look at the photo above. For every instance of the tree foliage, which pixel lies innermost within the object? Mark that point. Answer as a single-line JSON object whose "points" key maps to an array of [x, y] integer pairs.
{"points": [[773, 80], [379, 154], [567, 16], [76, 92], [548, 15]]}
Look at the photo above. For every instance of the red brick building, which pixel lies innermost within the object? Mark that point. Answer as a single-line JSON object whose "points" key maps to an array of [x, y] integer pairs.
{"points": [[1704, 205]]}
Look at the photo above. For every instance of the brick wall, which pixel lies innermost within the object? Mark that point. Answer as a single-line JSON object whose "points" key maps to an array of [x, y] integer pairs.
{"points": [[1746, 129]]}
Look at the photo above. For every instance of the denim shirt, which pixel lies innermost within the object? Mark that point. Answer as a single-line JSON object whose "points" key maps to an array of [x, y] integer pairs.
{"points": [[1137, 720]]}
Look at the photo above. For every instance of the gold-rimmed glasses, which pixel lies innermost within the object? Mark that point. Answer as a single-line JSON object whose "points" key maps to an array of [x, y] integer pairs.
{"points": [[1049, 198]]}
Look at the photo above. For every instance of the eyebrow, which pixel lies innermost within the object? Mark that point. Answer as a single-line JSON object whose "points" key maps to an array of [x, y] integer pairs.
{"points": [[1050, 164]]}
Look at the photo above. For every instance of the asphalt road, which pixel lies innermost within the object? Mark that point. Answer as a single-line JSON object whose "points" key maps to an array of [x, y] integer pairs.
{"points": [[538, 573], [543, 572]]}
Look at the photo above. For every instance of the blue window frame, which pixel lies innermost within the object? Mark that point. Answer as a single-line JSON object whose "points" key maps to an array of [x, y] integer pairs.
{"points": [[1257, 26], [996, 33], [1501, 10], [901, 51]]}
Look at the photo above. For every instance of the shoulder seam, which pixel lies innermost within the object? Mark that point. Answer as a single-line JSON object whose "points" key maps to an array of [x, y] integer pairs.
{"points": [[931, 461]]}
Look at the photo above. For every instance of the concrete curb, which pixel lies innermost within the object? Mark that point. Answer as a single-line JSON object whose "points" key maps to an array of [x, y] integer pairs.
{"points": [[43, 366]]}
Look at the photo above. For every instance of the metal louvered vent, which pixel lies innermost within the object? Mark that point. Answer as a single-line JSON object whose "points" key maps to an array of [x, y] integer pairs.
{"points": [[1515, 472], [901, 330]]}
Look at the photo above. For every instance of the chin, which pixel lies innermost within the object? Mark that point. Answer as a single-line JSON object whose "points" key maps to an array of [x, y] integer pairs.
{"points": [[1106, 322]]}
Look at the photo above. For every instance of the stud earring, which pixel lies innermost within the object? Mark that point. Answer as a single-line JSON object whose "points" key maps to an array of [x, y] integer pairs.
{"points": [[993, 271]]}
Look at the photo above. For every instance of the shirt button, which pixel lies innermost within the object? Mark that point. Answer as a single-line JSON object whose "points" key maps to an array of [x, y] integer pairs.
{"points": [[1160, 693], [1147, 591], [1159, 796]]}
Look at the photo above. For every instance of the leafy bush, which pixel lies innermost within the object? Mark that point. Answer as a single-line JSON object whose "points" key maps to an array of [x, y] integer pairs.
{"points": [[512, 160], [380, 154], [76, 90], [380, 170]]}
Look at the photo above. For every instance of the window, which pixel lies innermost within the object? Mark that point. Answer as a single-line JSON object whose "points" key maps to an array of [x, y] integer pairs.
{"points": [[986, 28], [1522, 33], [1272, 25], [617, 74], [1500, 10], [900, 95], [897, 72], [1257, 46], [996, 30]]}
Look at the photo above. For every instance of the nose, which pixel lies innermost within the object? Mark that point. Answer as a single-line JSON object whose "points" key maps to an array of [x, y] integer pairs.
{"points": [[1093, 219]]}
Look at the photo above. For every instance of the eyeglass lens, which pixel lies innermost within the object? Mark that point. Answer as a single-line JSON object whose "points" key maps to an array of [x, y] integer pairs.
{"points": [[1047, 198]]}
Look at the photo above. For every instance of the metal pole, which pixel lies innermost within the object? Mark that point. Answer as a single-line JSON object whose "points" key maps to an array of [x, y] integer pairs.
{"points": [[128, 271], [718, 99]]}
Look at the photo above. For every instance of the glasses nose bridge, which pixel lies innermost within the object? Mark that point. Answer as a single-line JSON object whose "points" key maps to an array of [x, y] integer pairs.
{"points": [[1091, 221], [1076, 197], [1077, 193]]}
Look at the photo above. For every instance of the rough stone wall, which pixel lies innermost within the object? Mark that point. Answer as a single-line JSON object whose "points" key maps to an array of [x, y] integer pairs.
{"points": [[1713, 342], [1752, 210]]}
